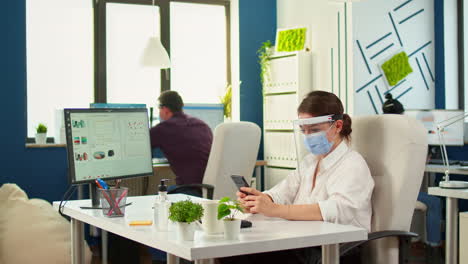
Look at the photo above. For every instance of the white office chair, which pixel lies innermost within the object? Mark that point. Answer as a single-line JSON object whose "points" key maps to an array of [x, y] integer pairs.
{"points": [[395, 148], [233, 152]]}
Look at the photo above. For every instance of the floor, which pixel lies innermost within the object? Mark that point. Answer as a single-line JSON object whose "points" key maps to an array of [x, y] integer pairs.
{"points": [[420, 254]]}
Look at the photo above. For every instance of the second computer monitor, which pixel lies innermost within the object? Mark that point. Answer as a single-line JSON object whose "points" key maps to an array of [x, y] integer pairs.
{"points": [[453, 134], [211, 114]]}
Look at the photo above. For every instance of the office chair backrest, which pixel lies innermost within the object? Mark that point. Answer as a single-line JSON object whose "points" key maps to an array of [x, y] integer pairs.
{"points": [[395, 148], [233, 152]]}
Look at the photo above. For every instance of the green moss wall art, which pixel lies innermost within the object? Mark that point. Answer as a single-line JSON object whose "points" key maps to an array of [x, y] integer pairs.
{"points": [[291, 39], [396, 68]]}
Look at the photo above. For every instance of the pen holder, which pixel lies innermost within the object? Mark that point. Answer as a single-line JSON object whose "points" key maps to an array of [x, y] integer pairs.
{"points": [[113, 201]]}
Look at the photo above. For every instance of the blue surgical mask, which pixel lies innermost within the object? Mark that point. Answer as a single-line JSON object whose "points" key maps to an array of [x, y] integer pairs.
{"points": [[317, 143]]}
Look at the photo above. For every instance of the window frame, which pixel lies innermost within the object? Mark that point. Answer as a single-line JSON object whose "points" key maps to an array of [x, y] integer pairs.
{"points": [[100, 49], [100, 63]]}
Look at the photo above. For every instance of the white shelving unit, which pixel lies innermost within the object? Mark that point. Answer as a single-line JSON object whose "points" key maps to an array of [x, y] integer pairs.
{"points": [[289, 80]]}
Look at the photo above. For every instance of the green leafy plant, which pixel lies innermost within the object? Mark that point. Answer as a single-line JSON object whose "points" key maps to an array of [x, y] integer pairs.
{"points": [[397, 68], [227, 208], [41, 128], [226, 100], [185, 211], [264, 53], [291, 39]]}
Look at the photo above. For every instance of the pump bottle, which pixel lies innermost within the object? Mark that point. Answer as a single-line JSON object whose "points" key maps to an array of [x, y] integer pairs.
{"points": [[161, 207]]}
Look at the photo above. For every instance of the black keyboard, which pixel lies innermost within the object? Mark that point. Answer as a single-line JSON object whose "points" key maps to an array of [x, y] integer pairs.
{"points": [[441, 162]]}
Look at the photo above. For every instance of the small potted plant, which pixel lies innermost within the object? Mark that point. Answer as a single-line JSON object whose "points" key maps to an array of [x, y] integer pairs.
{"points": [[227, 210], [226, 100], [41, 134], [185, 213]]}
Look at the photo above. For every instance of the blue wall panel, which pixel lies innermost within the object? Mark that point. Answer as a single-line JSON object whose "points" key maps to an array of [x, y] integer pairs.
{"points": [[257, 24], [439, 54]]}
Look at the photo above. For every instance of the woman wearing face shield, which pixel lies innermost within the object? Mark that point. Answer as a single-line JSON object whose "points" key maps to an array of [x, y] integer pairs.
{"points": [[332, 183]]}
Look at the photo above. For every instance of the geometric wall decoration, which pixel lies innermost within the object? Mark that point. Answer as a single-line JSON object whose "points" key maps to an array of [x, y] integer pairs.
{"points": [[396, 68], [381, 29]]}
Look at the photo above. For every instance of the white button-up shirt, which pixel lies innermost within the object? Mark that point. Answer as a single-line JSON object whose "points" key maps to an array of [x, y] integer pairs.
{"points": [[343, 187]]}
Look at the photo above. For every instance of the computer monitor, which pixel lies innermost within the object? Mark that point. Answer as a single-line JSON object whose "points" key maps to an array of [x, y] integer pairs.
{"points": [[107, 143], [211, 114], [453, 134]]}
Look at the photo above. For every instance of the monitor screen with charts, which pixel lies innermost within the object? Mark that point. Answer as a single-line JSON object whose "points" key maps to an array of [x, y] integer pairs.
{"points": [[107, 143], [453, 134]]}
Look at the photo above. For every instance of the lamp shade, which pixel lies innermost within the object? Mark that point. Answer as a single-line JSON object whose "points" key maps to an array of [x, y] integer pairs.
{"points": [[155, 55]]}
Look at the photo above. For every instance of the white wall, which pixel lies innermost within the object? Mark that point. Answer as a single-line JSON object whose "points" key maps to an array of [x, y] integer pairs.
{"points": [[321, 18], [371, 21], [451, 54]]}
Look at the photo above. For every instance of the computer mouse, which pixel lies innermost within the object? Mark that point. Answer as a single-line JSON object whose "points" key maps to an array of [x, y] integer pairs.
{"points": [[246, 224]]}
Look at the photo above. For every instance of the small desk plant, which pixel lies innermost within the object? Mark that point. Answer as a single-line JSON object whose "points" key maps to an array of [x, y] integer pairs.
{"points": [[41, 134], [185, 213], [227, 210]]}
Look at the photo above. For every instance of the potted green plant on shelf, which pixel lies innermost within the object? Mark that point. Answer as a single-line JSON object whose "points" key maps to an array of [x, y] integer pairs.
{"points": [[264, 53], [41, 134], [226, 100], [227, 210], [185, 213]]}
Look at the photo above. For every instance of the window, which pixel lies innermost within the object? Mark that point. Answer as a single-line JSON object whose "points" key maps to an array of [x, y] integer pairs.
{"points": [[198, 48], [80, 52], [59, 59], [128, 28]]}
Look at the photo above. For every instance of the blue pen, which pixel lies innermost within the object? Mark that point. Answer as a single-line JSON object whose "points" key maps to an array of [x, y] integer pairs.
{"points": [[103, 184]]}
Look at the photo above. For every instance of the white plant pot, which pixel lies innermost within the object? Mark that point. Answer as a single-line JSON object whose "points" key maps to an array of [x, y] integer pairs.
{"points": [[232, 229], [41, 138], [185, 231]]}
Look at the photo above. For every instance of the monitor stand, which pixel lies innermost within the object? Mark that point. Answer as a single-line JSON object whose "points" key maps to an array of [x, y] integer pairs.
{"points": [[93, 192], [94, 196]]}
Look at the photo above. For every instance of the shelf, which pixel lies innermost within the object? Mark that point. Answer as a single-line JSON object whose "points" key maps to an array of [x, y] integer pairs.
{"points": [[49, 145]]}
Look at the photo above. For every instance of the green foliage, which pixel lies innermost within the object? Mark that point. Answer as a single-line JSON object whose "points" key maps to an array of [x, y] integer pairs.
{"points": [[264, 53], [291, 39], [227, 208], [226, 100], [185, 211], [41, 128], [397, 68]]}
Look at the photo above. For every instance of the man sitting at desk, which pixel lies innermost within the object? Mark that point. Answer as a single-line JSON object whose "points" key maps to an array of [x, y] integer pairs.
{"points": [[184, 140]]}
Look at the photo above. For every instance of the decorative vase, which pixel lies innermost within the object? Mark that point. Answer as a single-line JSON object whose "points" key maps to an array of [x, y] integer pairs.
{"points": [[232, 229], [41, 138], [185, 231]]}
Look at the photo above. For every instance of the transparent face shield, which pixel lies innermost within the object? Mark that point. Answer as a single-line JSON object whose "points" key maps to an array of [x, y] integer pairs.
{"points": [[310, 137]]}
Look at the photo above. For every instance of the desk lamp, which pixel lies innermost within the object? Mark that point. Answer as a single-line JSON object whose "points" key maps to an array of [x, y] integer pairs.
{"points": [[447, 183]]}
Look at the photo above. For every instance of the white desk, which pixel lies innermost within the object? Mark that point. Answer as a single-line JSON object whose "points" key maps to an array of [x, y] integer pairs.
{"points": [[267, 234], [452, 196], [451, 213]]}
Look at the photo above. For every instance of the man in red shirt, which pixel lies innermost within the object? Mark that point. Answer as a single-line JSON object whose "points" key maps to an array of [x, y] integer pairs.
{"points": [[184, 140]]}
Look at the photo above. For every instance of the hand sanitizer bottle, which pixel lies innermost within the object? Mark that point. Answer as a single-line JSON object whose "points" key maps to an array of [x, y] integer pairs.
{"points": [[161, 207]]}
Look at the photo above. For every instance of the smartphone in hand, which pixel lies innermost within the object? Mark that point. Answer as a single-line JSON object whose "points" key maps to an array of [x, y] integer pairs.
{"points": [[240, 181]]}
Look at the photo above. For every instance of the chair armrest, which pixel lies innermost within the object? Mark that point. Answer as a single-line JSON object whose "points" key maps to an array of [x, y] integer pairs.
{"points": [[209, 188], [344, 248]]}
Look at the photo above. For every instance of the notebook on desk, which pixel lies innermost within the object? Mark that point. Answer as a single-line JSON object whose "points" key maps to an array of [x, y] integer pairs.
{"points": [[441, 162]]}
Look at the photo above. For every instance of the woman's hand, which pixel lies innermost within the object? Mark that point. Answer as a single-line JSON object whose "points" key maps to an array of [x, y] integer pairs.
{"points": [[241, 198], [258, 202]]}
